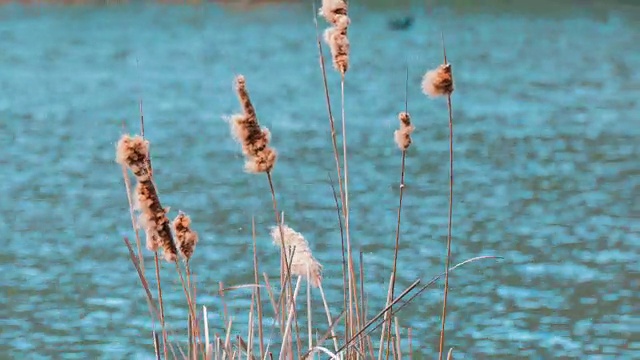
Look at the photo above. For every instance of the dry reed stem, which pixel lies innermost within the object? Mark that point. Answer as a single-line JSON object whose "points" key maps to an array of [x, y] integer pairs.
{"points": [[257, 283], [403, 140], [337, 161], [290, 315], [145, 286], [186, 238], [444, 81]]}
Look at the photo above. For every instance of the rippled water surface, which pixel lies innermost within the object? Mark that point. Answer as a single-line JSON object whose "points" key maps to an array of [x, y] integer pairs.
{"points": [[547, 146]]}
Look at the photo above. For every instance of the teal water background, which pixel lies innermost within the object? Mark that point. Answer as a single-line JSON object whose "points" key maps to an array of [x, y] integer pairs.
{"points": [[547, 145]]}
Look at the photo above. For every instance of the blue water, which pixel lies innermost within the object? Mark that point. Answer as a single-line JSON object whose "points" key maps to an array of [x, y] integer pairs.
{"points": [[547, 142]]}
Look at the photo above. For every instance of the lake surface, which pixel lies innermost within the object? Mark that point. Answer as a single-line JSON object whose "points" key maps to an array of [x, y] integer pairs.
{"points": [[547, 146]]}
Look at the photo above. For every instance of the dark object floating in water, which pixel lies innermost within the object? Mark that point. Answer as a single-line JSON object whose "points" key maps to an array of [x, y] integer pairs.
{"points": [[402, 23]]}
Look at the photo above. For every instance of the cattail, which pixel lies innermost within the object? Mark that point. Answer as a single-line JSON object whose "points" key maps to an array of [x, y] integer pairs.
{"points": [[154, 220], [246, 130], [186, 239], [438, 82], [339, 46], [335, 12], [332, 8], [303, 259], [133, 152], [403, 135]]}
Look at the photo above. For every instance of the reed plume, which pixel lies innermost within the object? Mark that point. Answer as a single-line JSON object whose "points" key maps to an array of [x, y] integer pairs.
{"points": [[335, 13], [186, 238], [246, 130], [303, 259], [402, 136], [438, 82]]}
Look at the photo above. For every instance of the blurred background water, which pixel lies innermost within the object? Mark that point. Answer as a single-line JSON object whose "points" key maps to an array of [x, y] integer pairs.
{"points": [[547, 172]]}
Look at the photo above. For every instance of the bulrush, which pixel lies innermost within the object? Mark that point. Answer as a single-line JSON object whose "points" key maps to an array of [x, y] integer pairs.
{"points": [[335, 12], [246, 130], [438, 82], [303, 259], [403, 135], [153, 218], [133, 152], [186, 238]]}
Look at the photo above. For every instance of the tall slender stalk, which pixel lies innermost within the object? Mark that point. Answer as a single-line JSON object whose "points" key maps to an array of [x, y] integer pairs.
{"points": [[450, 220], [257, 283], [285, 278], [392, 285]]}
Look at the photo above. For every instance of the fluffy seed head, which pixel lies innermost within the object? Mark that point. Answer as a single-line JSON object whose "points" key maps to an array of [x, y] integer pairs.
{"points": [[153, 218], [303, 262], [133, 152], [186, 238], [402, 136], [332, 8], [339, 45], [438, 82], [254, 139]]}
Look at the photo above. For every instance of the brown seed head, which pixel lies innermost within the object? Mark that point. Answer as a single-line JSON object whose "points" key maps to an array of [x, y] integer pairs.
{"points": [[153, 217], [438, 82], [246, 130], [339, 44], [332, 8], [186, 238], [133, 152], [402, 136]]}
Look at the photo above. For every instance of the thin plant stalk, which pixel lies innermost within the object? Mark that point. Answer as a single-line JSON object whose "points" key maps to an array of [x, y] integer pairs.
{"points": [[292, 306], [392, 285], [329, 320], [160, 304], [336, 153], [191, 307], [285, 275], [386, 322], [309, 321], [257, 282], [344, 260], [353, 294], [450, 219]]}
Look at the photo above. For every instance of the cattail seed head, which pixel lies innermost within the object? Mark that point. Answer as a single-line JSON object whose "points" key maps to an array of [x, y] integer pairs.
{"points": [[133, 152], [246, 130], [332, 8], [335, 12], [303, 262], [402, 136], [438, 82], [339, 45], [153, 217], [186, 238]]}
